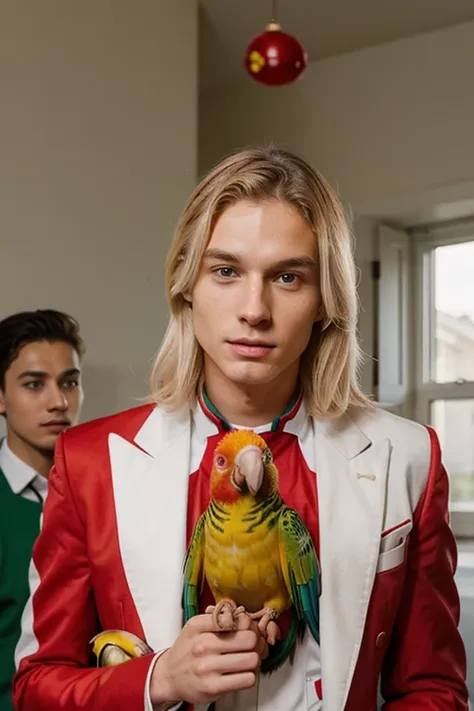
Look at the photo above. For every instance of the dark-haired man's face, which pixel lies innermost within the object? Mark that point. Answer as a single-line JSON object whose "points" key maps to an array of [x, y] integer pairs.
{"points": [[42, 395]]}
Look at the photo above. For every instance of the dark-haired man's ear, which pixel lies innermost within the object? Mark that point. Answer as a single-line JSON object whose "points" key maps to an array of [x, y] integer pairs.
{"points": [[2, 402]]}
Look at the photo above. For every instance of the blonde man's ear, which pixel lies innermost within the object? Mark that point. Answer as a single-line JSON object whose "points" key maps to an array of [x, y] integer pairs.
{"points": [[320, 314]]}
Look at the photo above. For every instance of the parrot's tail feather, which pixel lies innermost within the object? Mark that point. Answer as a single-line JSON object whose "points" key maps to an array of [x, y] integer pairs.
{"points": [[189, 602], [284, 649], [310, 607]]}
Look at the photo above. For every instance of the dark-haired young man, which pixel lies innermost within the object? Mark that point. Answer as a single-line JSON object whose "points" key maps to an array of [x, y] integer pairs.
{"points": [[40, 396]]}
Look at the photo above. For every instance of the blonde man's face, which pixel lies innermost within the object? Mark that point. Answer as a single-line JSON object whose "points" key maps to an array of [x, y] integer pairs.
{"points": [[257, 295]]}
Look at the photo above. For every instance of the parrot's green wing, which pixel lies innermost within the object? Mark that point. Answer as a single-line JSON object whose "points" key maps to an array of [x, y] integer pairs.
{"points": [[193, 571], [300, 568]]}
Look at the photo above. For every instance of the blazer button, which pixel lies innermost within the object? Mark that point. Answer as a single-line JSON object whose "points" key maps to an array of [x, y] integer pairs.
{"points": [[381, 640]]}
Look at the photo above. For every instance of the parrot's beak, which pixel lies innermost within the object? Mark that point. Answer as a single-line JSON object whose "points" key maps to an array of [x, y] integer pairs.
{"points": [[249, 469]]}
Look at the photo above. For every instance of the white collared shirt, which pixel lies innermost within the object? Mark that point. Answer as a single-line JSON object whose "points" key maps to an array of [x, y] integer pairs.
{"points": [[22, 478]]}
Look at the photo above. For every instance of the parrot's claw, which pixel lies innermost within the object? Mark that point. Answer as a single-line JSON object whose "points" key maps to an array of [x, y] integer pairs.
{"points": [[225, 614], [266, 623]]}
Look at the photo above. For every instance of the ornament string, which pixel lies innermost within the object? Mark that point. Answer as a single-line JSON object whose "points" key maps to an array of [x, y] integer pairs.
{"points": [[274, 11]]}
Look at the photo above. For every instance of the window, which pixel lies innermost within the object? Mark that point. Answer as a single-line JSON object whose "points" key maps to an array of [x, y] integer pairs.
{"points": [[444, 356], [454, 423]]}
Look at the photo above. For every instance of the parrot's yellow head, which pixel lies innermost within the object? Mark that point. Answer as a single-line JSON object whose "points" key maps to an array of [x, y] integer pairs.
{"points": [[242, 466]]}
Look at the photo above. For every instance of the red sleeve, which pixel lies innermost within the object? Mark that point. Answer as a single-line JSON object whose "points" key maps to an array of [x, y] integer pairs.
{"points": [[425, 666], [55, 649]]}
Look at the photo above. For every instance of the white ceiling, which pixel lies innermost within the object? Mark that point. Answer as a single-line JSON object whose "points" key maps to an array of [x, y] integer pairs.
{"points": [[325, 27]]}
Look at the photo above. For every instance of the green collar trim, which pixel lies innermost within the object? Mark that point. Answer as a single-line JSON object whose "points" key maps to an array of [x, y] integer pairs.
{"points": [[227, 425]]}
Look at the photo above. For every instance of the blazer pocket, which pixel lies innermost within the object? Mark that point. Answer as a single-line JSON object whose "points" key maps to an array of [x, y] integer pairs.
{"points": [[394, 536], [392, 558]]}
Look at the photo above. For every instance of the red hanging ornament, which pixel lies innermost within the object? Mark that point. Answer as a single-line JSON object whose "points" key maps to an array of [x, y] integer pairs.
{"points": [[275, 58]]}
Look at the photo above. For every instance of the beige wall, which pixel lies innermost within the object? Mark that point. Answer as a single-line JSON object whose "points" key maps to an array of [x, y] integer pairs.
{"points": [[389, 126], [385, 121], [98, 127]]}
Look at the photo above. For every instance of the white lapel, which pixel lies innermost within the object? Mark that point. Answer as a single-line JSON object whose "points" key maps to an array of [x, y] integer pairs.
{"points": [[352, 474], [150, 488]]}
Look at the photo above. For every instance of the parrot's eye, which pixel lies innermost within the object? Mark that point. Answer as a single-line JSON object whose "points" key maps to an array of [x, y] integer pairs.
{"points": [[267, 456], [220, 461]]}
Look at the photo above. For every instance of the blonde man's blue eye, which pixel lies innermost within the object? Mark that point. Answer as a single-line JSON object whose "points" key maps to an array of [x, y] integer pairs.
{"points": [[225, 271]]}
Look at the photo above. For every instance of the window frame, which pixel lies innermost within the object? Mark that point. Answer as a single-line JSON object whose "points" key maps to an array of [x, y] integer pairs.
{"points": [[427, 390]]}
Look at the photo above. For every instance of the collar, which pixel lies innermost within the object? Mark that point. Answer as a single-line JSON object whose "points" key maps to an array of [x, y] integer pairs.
{"points": [[208, 421], [18, 474]]}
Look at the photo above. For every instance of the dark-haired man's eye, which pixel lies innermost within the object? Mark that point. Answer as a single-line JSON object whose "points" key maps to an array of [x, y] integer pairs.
{"points": [[33, 385]]}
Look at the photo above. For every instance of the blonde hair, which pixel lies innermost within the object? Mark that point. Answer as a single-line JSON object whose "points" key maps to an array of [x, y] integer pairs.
{"points": [[329, 365]]}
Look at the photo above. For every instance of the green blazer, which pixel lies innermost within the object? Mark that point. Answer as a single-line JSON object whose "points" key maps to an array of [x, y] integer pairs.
{"points": [[19, 528]]}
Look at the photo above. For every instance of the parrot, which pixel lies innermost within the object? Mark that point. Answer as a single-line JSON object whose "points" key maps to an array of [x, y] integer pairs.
{"points": [[254, 552], [113, 647]]}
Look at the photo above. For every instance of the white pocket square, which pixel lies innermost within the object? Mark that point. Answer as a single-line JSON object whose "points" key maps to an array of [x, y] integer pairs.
{"points": [[392, 558], [393, 545]]}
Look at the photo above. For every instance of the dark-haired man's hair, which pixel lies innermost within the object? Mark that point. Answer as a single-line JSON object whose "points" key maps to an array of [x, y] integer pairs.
{"points": [[17, 330]]}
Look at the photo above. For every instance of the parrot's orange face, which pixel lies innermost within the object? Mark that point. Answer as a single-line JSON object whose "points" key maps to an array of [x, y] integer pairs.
{"points": [[242, 466]]}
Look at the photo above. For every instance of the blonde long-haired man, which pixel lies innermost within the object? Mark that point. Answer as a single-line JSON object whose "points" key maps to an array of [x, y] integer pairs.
{"points": [[261, 286]]}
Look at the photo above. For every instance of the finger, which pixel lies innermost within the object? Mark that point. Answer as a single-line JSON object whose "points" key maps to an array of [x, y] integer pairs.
{"points": [[254, 627], [234, 663], [200, 624], [227, 683], [262, 648], [227, 643], [205, 623], [262, 644], [246, 640]]}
